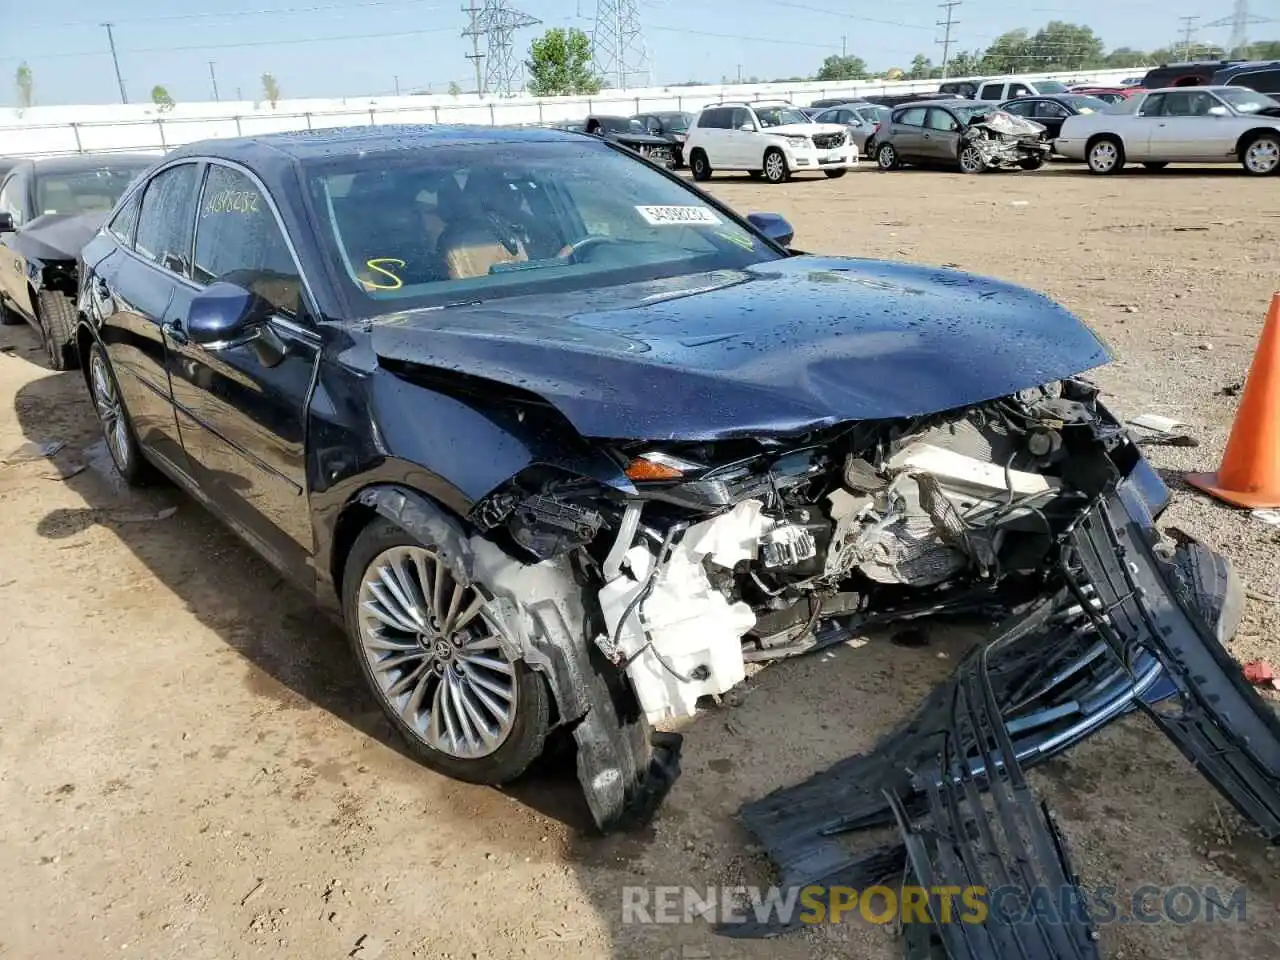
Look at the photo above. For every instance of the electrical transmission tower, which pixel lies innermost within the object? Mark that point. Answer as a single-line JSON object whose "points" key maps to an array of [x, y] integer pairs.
{"points": [[617, 44], [496, 22], [1239, 22], [947, 24], [1188, 31]]}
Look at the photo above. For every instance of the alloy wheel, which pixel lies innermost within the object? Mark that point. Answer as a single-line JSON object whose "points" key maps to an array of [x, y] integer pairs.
{"points": [[775, 168], [886, 156], [1103, 157], [1262, 156], [971, 160], [115, 426], [435, 655]]}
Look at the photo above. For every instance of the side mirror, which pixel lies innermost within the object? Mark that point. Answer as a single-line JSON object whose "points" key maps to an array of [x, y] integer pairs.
{"points": [[774, 226], [1219, 111], [225, 315], [748, 127], [6, 223]]}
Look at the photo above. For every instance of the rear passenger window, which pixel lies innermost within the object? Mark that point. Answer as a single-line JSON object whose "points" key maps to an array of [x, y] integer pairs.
{"points": [[124, 223], [1152, 105], [164, 223], [717, 119], [238, 240], [911, 117], [991, 91], [1262, 81]]}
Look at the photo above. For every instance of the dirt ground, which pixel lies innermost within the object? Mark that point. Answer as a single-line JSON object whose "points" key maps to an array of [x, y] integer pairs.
{"points": [[190, 768]]}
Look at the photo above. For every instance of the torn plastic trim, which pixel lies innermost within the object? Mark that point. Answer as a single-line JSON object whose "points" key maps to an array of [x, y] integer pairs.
{"points": [[624, 767]]}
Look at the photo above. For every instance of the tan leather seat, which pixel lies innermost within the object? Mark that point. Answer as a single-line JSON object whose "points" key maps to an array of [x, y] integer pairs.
{"points": [[472, 243]]}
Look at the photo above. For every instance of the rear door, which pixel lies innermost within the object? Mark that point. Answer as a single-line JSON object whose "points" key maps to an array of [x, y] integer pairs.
{"points": [[241, 405], [908, 132], [137, 288], [1049, 114]]}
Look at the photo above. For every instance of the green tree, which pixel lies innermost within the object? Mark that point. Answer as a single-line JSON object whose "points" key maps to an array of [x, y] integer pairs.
{"points": [[964, 64], [270, 90], [560, 64], [1007, 53], [836, 67], [1123, 58], [921, 68], [1066, 46], [160, 97], [454, 89], [26, 85]]}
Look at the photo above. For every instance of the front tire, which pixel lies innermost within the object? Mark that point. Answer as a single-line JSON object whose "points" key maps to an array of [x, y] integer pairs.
{"points": [[117, 428], [887, 157], [700, 166], [971, 160], [775, 166], [1260, 157], [57, 316], [1105, 156], [435, 659]]}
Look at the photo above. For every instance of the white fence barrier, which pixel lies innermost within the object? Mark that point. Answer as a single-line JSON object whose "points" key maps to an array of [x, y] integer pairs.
{"points": [[99, 128]]}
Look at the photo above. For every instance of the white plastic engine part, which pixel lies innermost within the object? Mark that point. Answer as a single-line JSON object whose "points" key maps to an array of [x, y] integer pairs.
{"points": [[685, 621], [967, 473]]}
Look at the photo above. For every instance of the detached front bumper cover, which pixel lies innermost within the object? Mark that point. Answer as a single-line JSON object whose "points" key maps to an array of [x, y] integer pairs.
{"points": [[1131, 629]]}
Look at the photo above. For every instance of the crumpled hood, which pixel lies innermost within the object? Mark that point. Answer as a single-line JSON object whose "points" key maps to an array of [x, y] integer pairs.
{"points": [[781, 347], [57, 236]]}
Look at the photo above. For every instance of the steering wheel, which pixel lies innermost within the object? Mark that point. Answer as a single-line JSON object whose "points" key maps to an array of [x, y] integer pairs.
{"points": [[572, 251]]}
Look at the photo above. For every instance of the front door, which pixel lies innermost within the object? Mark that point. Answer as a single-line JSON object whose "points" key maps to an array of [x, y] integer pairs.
{"points": [[241, 405], [908, 131], [13, 265], [940, 139]]}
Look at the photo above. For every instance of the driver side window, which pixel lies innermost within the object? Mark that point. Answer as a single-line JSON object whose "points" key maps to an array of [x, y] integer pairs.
{"points": [[742, 118], [941, 120]]}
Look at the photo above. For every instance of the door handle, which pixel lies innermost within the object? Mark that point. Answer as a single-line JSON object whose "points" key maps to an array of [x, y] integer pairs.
{"points": [[176, 331]]}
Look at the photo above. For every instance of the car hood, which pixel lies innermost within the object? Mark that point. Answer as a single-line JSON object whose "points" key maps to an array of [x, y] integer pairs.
{"points": [[777, 348], [805, 129], [56, 236]]}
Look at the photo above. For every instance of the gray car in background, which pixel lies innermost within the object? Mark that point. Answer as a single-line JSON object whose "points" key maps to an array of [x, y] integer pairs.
{"points": [[861, 119]]}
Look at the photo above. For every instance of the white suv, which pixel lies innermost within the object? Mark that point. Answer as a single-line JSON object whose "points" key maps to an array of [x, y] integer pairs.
{"points": [[769, 138]]}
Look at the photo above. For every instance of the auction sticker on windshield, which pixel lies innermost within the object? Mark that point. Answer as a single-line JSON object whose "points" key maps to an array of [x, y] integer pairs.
{"points": [[678, 216]]}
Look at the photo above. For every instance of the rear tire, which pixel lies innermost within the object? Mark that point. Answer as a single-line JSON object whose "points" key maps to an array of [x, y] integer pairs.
{"points": [[700, 166], [117, 429], [454, 684], [1105, 156], [836, 174], [1260, 157], [57, 316], [775, 166]]}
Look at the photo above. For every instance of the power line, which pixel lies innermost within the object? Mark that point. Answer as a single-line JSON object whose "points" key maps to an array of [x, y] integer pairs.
{"points": [[233, 15], [1188, 31], [949, 6], [111, 42], [617, 43]]}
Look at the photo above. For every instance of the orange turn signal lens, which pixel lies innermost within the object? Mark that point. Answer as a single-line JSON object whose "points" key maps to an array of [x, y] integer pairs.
{"points": [[641, 469]]}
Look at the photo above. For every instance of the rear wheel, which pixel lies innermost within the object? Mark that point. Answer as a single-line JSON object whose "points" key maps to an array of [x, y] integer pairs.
{"points": [[971, 160], [699, 164], [57, 316], [117, 428], [1261, 155], [1105, 156], [775, 166], [437, 661], [887, 157]]}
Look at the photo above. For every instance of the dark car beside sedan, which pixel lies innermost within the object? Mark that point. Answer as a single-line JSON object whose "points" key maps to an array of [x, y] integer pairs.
{"points": [[565, 443], [1050, 111]]}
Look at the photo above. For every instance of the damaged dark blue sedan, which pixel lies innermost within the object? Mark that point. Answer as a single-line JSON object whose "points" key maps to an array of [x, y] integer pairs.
{"points": [[566, 442]]}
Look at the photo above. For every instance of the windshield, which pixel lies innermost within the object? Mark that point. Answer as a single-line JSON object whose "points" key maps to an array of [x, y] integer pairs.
{"points": [[1085, 104], [779, 116], [83, 191], [675, 122], [1246, 101], [967, 111], [461, 223], [1050, 86]]}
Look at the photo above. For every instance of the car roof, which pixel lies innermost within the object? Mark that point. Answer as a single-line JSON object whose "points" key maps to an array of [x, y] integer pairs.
{"points": [[301, 145], [1247, 66], [1214, 88], [72, 163], [939, 103]]}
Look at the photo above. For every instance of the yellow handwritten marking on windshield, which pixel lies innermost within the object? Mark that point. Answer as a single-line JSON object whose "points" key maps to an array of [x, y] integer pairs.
{"points": [[233, 201], [395, 284], [746, 243]]}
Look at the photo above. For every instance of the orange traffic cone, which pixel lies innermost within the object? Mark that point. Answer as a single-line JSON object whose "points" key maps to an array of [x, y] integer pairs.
{"points": [[1250, 471]]}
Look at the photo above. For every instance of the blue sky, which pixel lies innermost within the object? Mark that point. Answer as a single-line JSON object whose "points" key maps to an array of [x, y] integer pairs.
{"points": [[361, 46]]}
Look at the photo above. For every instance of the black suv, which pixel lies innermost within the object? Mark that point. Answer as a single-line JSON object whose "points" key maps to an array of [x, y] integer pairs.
{"points": [[1261, 76], [1198, 74]]}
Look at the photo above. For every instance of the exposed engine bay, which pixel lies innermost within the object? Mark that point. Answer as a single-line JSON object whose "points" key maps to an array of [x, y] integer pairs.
{"points": [[757, 549], [1006, 140]]}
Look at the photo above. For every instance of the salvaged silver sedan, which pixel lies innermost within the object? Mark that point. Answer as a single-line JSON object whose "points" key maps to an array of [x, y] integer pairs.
{"points": [[1179, 125]]}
